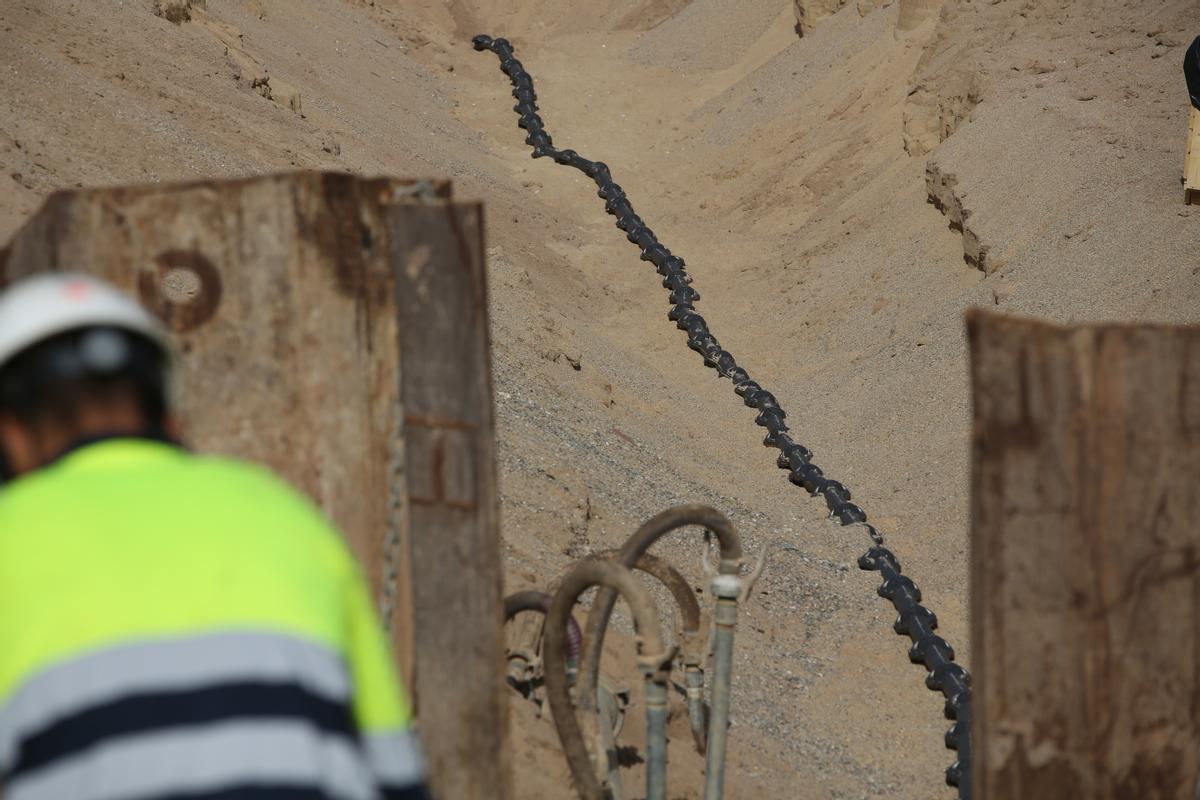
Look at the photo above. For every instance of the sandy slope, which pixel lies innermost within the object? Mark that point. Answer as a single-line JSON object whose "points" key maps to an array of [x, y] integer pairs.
{"points": [[792, 173]]}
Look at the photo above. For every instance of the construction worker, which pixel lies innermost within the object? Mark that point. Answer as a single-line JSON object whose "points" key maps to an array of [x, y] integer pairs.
{"points": [[171, 625]]}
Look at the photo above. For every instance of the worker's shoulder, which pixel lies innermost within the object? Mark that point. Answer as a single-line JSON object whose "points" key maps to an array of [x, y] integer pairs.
{"points": [[152, 478], [245, 499], [224, 471], [235, 479]]}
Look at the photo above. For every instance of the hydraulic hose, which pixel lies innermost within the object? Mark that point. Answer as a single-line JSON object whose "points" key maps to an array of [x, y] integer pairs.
{"points": [[533, 600], [524, 658], [681, 591], [630, 553], [654, 660], [691, 640]]}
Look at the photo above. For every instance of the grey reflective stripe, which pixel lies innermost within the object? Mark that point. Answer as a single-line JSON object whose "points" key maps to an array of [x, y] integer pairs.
{"points": [[168, 665], [204, 759], [395, 758]]}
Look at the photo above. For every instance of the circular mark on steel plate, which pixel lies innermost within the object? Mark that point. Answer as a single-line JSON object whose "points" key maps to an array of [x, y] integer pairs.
{"points": [[182, 287]]}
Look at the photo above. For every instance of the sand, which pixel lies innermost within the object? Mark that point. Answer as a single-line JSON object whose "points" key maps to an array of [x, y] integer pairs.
{"points": [[795, 176]]}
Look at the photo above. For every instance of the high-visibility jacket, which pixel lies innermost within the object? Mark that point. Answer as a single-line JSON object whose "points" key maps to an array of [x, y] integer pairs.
{"points": [[179, 626]]}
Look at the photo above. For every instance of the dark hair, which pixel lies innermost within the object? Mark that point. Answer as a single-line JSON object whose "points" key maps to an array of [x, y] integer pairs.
{"points": [[53, 381], [1191, 71]]}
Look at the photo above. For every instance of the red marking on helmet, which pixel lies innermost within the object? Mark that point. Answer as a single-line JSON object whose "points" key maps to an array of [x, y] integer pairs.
{"points": [[77, 290]]}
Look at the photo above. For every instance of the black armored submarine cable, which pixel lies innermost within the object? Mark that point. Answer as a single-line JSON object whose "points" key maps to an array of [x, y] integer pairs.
{"points": [[914, 620]]}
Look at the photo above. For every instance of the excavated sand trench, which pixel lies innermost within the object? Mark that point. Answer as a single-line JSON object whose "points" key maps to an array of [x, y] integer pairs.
{"points": [[794, 174]]}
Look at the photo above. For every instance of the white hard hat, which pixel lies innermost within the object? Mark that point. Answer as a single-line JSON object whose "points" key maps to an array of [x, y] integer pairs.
{"points": [[36, 308]]}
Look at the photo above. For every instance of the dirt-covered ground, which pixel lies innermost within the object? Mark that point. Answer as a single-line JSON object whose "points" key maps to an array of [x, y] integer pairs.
{"points": [[840, 196]]}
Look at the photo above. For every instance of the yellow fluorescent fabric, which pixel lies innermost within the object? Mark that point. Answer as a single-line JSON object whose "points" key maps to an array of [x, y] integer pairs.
{"points": [[127, 540]]}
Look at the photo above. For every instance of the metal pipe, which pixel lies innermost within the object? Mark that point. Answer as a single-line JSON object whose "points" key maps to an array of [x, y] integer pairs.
{"points": [[728, 589], [656, 741], [697, 712], [654, 660], [692, 643], [630, 553]]}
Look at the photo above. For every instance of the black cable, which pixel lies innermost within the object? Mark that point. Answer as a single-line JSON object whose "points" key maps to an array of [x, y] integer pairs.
{"points": [[913, 620]]}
